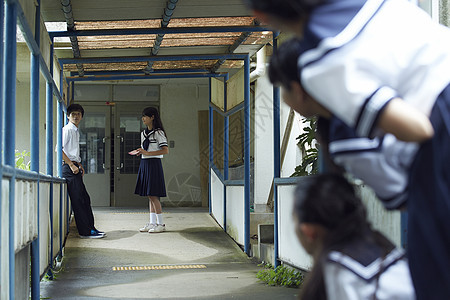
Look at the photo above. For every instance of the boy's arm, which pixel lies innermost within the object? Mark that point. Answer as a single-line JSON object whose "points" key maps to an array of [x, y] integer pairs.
{"points": [[74, 168], [405, 122]]}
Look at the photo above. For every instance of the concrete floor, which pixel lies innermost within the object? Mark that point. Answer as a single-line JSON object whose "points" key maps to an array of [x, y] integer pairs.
{"points": [[192, 238]]}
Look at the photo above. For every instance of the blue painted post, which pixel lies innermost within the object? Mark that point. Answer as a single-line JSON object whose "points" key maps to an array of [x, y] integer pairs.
{"points": [[276, 155], [34, 136], [226, 148], [59, 159], [9, 119], [247, 155], [68, 210], [2, 64], [49, 160], [211, 153]]}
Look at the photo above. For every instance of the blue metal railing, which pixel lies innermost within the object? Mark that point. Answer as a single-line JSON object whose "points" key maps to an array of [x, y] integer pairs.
{"points": [[9, 114]]}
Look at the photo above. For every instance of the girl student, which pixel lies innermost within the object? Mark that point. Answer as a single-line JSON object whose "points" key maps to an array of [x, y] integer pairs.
{"points": [[351, 260], [369, 159], [150, 179], [376, 65]]}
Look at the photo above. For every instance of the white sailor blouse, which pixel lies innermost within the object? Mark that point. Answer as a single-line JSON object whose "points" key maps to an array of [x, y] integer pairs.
{"points": [[360, 54], [155, 139], [365, 276], [381, 162]]}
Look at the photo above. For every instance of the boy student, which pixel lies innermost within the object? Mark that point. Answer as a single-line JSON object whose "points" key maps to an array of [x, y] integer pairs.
{"points": [[73, 173], [389, 166]]}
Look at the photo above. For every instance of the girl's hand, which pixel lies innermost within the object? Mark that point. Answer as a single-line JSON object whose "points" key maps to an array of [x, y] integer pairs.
{"points": [[134, 152], [141, 151]]}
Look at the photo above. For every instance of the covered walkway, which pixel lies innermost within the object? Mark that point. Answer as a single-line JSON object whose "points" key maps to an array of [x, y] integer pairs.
{"points": [[195, 259]]}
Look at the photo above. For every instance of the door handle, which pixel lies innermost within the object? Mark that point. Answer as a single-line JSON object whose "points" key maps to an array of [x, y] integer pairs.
{"points": [[121, 166], [120, 137], [104, 167]]}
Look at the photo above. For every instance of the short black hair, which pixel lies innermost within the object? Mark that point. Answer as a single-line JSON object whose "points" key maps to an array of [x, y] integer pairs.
{"points": [[75, 107], [286, 9], [283, 68]]}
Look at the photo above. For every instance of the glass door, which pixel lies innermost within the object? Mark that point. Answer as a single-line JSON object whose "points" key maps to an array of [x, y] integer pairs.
{"points": [[95, 145], [127, 137]]}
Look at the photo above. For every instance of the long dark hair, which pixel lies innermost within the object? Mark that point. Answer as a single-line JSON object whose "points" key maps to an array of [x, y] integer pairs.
{"points": [[286, 9], [330, 200], [157, 123]]}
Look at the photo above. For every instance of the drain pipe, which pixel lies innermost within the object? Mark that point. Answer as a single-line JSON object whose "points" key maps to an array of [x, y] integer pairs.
{"points": [[67, 9], [260, 65], [168, 12]]}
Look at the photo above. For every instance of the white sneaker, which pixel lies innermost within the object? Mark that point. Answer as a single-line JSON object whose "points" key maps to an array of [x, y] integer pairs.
{"points": [[147, 227], [158, 228]]}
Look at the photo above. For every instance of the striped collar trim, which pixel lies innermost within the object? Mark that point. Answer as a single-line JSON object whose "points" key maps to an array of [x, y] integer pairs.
{"points": [[355, 26], [366, 272]]}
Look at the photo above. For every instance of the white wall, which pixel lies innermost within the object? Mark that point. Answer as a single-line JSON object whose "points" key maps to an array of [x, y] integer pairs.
{"points": [[263, 124], [217, 193], [293, 154], [235, 213], [179, 107], [263, 128], [290, 249]]}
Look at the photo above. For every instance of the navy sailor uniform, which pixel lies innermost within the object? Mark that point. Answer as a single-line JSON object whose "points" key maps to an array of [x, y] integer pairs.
{"points": [[357, 56], [150, 179]]}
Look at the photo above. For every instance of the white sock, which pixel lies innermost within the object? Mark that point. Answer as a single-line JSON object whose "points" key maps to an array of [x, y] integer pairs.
{"points": [[159, 217], [152, 218]]}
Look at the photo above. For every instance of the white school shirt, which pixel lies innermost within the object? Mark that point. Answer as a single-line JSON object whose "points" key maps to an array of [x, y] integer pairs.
{"points": [[71, 142], [346, 278], [360, 54], [157, 140], [382, 162]]}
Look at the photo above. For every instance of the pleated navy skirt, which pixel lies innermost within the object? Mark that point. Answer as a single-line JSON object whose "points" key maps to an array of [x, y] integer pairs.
{"points": [[150, 179]]}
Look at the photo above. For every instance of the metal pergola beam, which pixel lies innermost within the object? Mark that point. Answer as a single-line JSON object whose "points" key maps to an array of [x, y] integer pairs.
{"points": [[140, 72], [99, 60], [147, 77], [171, 30]]}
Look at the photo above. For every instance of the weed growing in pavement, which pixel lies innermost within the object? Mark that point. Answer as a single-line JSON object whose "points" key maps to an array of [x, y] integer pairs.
{"points": [[282, 275]]}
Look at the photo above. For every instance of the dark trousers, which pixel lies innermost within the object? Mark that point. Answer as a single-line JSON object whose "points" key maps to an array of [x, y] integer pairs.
{"points": [[81, 202], [429, 209]]}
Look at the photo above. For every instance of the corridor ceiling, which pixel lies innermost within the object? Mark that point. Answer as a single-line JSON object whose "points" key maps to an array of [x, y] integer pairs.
{"points": [[144, 15]]}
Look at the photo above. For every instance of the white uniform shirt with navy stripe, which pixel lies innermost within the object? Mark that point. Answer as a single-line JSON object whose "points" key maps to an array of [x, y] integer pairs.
{"points": [[71, 142], [346, 278], [358, 55], [157, 141], [382, 162]]}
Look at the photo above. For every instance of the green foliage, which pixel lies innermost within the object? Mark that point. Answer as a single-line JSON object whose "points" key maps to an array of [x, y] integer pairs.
{"points": [[282, 275], [22, 160], [308, 145]]}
